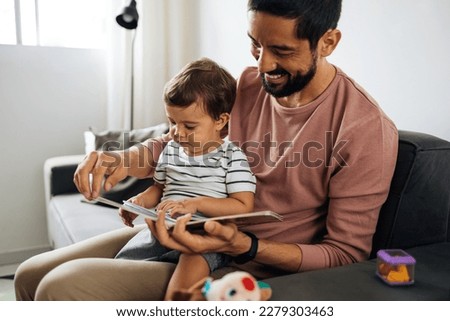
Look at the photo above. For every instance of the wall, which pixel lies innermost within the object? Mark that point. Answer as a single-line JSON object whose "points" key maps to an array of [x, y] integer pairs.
{"points": [[223, 33], [398, 50], [48, 97]]}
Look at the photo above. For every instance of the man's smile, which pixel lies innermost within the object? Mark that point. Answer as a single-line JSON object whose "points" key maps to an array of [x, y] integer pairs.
{"points": [[275, 78]]}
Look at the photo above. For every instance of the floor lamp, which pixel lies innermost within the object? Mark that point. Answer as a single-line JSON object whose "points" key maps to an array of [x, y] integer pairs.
{"points": [[129, 20]]}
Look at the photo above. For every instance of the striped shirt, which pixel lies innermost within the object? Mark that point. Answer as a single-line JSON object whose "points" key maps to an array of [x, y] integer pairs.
{"points": [[216, 174]]}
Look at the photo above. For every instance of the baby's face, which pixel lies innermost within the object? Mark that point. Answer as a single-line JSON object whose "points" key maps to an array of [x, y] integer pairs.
{"points": [[194, 129]]}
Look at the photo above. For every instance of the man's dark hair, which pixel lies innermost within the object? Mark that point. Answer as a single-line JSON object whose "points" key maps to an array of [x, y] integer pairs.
{"points": [[314, 17], [202, 80]]}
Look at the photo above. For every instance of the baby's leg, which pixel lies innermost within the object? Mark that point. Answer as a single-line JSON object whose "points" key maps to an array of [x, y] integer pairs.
{"points": [[189, 270]]}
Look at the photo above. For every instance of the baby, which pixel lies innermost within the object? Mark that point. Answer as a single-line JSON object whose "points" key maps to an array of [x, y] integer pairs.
{"points": [[198, 171]]}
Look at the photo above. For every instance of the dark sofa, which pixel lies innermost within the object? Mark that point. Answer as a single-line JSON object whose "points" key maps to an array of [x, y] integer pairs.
{"points": [[415, 218]]}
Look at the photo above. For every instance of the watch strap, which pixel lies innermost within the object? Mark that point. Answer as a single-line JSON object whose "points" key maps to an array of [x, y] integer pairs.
{"points": [[251, 253]]}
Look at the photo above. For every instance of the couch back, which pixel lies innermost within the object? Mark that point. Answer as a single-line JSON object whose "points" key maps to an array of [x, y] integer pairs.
{"points": [[417, 210]]}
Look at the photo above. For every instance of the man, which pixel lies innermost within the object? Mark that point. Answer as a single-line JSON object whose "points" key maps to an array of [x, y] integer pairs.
{"points": [[321, 149]]}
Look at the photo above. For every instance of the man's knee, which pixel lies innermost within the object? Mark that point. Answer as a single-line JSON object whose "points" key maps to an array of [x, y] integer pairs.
{"points": [[50, 288], [61, 284], [27, 278]]}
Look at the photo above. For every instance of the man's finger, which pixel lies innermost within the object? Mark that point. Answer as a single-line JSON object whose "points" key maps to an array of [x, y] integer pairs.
{"points": [[159, 230], [81, 176], [180, 225], [98, 174], [115, 170], [115, 177], [224, 232]]}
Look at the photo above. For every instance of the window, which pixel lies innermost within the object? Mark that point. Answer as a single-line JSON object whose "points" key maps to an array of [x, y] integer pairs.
{"points": [[59, 23], [7, 22]]}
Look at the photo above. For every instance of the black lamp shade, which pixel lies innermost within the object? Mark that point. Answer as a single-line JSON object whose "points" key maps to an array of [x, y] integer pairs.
{"points": [[129, 18]]}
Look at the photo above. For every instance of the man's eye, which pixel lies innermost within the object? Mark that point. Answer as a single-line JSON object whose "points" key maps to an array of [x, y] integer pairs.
{"points": [[280, 53]]}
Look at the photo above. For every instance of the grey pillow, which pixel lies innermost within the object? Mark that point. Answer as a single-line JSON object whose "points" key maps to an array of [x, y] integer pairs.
{"points": [[114, 140]]}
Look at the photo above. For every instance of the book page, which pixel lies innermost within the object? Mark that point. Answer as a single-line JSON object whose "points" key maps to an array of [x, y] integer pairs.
{"points": [[198, 219]]}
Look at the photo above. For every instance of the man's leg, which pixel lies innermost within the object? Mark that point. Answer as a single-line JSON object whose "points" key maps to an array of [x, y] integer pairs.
{"points": [[93, 279], [30, 273]]}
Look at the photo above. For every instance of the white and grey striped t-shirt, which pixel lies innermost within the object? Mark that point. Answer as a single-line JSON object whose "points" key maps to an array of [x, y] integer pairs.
{"points": [[216, 174]]}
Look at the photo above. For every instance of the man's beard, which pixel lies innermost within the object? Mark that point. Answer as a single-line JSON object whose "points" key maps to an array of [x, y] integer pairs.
{"points": [[293, 85]]}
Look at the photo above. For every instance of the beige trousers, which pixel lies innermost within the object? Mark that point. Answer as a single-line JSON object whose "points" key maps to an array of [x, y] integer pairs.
{"points": [[87, 271]]}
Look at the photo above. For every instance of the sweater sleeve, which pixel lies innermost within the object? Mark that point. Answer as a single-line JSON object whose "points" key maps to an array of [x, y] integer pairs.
{"points": [[155, 146], [357, 190]]}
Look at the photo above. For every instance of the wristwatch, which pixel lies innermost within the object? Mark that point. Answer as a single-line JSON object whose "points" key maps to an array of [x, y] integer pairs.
{"points": [[251, 253]]}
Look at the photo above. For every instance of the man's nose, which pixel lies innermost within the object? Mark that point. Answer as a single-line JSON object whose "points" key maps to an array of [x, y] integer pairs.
{"points": [[266, 61]]}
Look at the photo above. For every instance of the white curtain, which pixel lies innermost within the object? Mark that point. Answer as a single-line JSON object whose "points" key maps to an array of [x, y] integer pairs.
{"points": [[165, 40]]}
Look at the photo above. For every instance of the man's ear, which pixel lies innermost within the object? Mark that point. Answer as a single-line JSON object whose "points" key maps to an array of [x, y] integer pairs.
{"points": [[222, 121], [329, 42]]}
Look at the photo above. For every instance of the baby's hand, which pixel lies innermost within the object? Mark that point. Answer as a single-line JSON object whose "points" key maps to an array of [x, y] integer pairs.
{"points": [[128, 217], [177, 208]]}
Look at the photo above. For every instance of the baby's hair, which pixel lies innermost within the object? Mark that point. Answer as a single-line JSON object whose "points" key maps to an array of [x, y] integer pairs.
{"points": [[202, 80]]}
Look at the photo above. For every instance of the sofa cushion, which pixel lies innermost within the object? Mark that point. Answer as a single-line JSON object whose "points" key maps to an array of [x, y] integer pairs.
{"points": [[71, 220], [417, 210], [358, 281]]}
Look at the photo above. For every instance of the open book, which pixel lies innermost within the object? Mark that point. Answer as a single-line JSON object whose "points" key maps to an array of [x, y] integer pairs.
{"points": [[198, 219]]}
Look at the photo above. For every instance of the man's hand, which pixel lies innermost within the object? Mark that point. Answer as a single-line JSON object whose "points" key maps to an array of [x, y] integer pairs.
{"points": [[99, 165], [218, 237]]}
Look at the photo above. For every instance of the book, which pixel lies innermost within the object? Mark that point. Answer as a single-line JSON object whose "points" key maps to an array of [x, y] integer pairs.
{"points": [[198, 219]]}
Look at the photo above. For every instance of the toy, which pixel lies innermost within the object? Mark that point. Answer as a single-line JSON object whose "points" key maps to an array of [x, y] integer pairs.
{"points": [[235, 286], [395, 267]]}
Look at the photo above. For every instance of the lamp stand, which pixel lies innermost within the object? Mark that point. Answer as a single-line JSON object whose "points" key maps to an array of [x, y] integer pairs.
{"points": [[132, 82]]}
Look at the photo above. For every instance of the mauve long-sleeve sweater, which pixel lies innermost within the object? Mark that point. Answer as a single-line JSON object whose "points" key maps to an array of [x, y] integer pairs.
{"points": [[325, 166]]}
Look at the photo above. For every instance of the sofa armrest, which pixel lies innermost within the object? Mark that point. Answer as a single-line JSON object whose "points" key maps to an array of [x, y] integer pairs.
{"points": [[58, 175]]}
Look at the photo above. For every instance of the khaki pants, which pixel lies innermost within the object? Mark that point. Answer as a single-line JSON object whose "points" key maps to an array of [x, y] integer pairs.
{"points": [[87, 271]]}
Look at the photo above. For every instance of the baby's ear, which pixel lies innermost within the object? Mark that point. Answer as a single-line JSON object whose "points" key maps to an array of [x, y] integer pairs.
{"points": [[222, 121]]}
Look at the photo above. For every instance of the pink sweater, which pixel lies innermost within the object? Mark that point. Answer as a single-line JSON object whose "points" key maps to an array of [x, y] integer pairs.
{"points": [[326, 167]]}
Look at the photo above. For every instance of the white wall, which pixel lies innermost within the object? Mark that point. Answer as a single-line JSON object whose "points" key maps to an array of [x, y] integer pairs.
{"points": [[223, 33], [397, 50], [48, 97]]}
